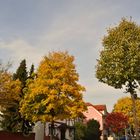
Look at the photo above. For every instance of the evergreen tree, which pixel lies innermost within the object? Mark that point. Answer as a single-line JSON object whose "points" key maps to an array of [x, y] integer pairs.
{"points": [[88, 131], [80, 129], [92, 130], [12, 120], [31, 71], [21, 73]]}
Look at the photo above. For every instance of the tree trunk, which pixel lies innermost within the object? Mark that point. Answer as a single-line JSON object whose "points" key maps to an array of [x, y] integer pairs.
{"points": [[135, 116], [52, 130]]}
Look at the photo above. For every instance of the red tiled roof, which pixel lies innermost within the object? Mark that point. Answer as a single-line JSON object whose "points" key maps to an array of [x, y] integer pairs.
{"points": [[89, 104], [98, 107]]}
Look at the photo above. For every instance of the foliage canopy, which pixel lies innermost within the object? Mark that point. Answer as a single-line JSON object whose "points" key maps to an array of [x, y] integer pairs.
{"points": [[55, 93], [119, 62], [88, 131], [9, 99], [11, 93], [124, 105], [116, 121]]}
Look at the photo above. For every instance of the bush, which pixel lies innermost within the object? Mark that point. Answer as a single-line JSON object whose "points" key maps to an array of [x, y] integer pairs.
{"points": [[88, 131]]}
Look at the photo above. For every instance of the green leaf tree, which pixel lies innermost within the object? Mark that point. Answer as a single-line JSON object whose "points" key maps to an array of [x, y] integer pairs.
{"points": [[119, 63], [31, 72], [80, 130], [87, 131], [92, 130], [21, 73]]}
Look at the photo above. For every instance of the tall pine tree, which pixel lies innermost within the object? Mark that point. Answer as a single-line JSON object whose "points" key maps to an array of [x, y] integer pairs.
{"points": [[21, 73], [12, 120], [31, 71]]}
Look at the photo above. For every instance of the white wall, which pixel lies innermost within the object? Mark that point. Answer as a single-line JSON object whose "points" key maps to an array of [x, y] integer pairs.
{"points": [[39, 131]]}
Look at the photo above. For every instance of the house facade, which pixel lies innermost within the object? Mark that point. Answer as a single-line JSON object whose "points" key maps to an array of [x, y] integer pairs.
{"points": [[65, 128], [96, 112], [62, 129]]}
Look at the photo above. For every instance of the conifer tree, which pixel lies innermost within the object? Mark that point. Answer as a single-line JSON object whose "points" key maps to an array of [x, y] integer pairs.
{"points": [[12, 120], [31, 71], [21, 73]]}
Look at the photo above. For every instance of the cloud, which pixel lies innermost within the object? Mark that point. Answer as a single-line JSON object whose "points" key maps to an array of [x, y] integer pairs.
{"points": [[99, 93], [18, 49], [74, 27]]}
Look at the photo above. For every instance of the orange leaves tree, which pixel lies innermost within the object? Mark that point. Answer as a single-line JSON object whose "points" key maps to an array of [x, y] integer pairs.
{"points": [[9, 99], [55, 93], [12, 90], [9, 89], [116, 122], [124, 105]]}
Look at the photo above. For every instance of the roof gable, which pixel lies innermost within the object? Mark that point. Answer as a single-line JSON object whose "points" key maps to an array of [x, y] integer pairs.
{"points": [[99, 108]]}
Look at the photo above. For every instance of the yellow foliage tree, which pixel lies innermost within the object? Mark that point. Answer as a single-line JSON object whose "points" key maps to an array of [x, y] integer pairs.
{"points": [[9, 90], [9, 99], [55, 93], [124, 105]]}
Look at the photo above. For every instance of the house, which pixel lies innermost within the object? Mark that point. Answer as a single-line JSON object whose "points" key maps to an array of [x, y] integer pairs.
{"points": [[96, 112], [61, 129], [65, 128]]}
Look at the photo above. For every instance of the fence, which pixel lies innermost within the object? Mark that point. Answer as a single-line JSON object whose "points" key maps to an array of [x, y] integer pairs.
{"points": [[15, 136]]}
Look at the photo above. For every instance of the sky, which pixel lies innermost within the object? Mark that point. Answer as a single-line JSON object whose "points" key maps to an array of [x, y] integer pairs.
{"points": [[30, 29]]}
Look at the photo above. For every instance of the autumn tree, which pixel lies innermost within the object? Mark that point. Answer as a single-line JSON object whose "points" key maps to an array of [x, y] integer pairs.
{"points": [[124, 105], [9, 89], [11, 118], [9, 98], [119, 63], [22, 75], [55, 93], [116, 122]]}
